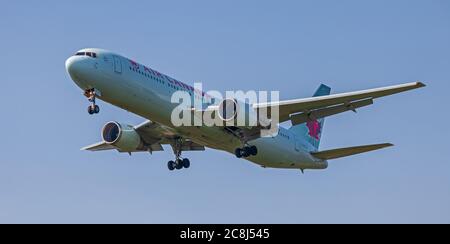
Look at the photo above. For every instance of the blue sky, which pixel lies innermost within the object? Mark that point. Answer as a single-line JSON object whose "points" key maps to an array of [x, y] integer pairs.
{"points": [[290, 46]]}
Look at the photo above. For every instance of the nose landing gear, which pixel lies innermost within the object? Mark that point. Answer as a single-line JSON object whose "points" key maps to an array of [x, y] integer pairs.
{"points": [[91, 95], [93, 109]]}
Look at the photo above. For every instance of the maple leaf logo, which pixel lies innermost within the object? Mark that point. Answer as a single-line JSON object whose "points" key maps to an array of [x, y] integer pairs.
{"points": [[314, 128]]}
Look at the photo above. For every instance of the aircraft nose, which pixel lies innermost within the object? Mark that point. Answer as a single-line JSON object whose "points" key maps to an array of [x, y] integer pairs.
{"points": [[74, 66]]}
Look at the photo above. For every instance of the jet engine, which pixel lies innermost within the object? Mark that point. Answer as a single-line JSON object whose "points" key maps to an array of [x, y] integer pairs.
{"points": [[122, 136], [236, 113]]}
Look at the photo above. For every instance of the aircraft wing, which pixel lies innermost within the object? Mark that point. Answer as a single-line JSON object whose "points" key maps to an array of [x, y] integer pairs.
{"points": [[302, 110], [99, 146], [154, 136]]}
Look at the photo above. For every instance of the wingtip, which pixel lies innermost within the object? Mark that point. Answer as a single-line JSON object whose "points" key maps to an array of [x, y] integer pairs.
{"points": [[389, 145], [420, 84], [385, 145]]}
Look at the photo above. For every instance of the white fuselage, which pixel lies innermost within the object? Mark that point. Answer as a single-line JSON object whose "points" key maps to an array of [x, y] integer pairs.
{"points": [[147, 93]]}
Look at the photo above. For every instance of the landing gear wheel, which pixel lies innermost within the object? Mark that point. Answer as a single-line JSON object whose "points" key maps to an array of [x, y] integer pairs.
{"points": [[186, 163], [171, 165], [91, 110], [179, 164], [246, 152], [238, 153]]}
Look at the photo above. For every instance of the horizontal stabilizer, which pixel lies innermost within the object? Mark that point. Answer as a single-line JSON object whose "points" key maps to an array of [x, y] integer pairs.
{"points": [[349, 151]]}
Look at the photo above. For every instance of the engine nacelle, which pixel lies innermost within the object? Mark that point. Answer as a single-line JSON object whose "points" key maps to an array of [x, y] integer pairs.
{"points": [[240, 114], [122, 136]]}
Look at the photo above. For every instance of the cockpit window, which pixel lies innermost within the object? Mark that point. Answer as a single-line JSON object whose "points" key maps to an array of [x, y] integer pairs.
{"points": [[90, 54]]}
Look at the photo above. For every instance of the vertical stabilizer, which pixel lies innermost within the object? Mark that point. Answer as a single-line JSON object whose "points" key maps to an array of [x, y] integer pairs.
{"points": [[311, 131]]}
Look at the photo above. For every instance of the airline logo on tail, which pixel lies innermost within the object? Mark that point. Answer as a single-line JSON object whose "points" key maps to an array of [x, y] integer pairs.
{"points": [[315, 128]]}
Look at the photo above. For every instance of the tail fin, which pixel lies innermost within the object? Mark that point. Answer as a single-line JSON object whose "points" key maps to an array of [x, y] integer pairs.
{"points": [[311, 131]]}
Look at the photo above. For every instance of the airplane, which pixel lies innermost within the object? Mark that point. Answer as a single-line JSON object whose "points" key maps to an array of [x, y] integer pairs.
{"points": [[146, 92]]}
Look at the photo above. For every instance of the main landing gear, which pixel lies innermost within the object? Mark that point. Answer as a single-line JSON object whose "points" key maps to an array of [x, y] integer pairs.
{"points": [[179, 162], [246, 152], [93, 108]]}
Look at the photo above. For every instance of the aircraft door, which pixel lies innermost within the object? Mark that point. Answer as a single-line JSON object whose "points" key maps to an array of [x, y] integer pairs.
{"points": [[117, 65]]}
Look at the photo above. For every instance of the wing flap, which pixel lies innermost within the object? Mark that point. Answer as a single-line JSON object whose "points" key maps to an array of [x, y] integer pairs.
{"points": [[152, 132], [349, 151], [325, 112], [189, 145]]}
